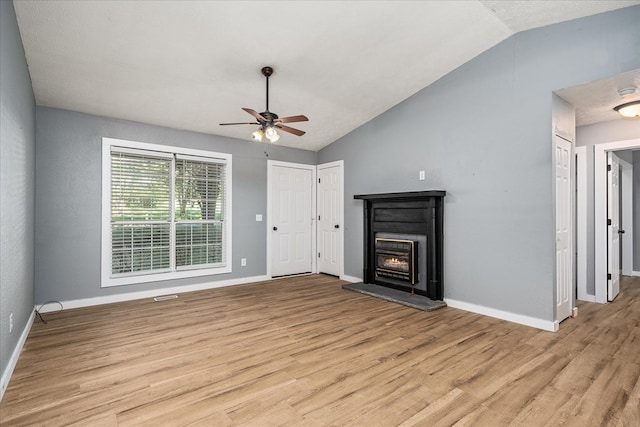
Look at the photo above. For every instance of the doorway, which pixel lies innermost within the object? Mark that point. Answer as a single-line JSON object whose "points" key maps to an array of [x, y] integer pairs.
{"points": [[601, 204]]}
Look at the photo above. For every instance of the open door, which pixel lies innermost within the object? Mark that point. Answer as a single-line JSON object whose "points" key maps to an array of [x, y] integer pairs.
{"points": [[563, 161], [613, 225], [601, 228]]}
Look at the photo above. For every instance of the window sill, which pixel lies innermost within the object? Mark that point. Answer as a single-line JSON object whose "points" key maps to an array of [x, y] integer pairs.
{"points": [[174, 275]]}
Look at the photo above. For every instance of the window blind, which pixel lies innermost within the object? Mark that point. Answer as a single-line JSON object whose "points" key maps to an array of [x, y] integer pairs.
{"points": [[140, 213], [199, 208]]}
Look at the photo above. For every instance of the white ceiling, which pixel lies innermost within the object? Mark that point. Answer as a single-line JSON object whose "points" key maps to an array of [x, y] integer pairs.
{"points": [[193, 64], [594, 101]]}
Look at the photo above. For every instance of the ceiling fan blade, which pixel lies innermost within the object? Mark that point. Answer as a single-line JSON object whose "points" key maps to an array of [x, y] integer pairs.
{"points": [[291, 119], [243, 123], [290, 130], [255, 114]]}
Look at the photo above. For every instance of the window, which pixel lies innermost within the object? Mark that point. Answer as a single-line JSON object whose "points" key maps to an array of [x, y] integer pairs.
{"points": [[199, 212], [166, 213]]}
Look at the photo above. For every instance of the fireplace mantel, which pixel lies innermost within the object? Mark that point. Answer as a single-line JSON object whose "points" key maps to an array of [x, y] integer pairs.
{"points": [[408, 195], [413, 212]]}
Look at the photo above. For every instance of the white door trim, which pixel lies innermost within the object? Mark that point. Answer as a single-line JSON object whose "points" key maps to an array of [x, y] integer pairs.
{"points": [[314, 180], [340, 164], [600, 210], [581, 225], [626, 204]]}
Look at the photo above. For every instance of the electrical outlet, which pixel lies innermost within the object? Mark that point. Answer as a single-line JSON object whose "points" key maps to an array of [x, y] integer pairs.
{"points": [[11, 323], [243, 262], [421, 176], [258, 217]]}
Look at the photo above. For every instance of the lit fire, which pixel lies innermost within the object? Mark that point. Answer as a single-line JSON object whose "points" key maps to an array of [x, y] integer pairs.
{"points": [[396, 263]]}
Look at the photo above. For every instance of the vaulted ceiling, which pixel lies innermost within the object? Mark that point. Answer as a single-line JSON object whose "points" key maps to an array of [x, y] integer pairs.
{"points": [[194, 64]]}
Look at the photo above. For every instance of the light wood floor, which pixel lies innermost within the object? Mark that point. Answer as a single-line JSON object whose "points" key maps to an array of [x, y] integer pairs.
{"points": [[303, 351]]}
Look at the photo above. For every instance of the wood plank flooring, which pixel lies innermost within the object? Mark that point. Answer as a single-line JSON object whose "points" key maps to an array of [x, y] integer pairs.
{"points": [[303, 351]]}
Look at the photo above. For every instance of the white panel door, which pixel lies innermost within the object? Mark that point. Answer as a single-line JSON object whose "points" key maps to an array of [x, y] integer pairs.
{"points": [[291, 223], [613, 217], [564, 270], [329, 219]]}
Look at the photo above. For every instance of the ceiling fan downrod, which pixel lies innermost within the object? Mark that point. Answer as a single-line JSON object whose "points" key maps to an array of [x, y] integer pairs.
{"points": [[267, 72]]}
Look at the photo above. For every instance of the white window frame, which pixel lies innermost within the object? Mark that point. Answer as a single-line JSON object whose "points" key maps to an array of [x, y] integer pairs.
{"points": [[107, 280]]}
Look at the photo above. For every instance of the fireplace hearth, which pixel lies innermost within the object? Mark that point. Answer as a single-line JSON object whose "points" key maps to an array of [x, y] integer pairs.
{"points": [[403, 241]]}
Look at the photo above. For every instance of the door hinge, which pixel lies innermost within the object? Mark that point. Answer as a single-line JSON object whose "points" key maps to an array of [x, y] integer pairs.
{"points": [[318, 217], [608, 276], [608, 222], [318, 180], [608, 168], [318, 254]]}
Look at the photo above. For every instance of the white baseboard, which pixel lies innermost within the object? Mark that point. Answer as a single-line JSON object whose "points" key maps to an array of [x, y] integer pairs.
{"points": [[6, 375], [546, 325], [107, 299], [586, 297], [351, 279], [635, 273]]}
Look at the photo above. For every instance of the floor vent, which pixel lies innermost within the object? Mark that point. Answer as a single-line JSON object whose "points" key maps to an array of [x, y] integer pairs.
{"points": [[165, 297]]}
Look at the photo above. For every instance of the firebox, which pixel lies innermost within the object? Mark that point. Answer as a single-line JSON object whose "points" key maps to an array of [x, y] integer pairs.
{"points": [[397, 259]]}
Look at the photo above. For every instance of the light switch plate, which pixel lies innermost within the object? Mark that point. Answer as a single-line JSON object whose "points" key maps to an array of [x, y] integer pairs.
{"points": [[258, 217]]}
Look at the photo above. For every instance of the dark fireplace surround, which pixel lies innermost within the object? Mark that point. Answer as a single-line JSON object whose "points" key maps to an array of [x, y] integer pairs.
{"points": [[409, 213]]}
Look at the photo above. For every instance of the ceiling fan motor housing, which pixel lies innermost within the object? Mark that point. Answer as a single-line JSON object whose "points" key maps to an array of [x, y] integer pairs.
{"points": [[269, 116]]}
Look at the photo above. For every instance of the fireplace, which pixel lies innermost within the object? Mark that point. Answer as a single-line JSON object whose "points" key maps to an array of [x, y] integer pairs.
{"points": [[397, 259], [403, 241]]}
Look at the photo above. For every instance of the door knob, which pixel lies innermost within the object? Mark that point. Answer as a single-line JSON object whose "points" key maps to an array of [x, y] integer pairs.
{"points": [[275, 228], [620, 231], [336, 226]]}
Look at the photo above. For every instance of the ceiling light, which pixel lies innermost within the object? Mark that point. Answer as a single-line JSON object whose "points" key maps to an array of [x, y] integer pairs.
{"points": [[271, 134], [626, 91], [630, 109], [258, 134]]}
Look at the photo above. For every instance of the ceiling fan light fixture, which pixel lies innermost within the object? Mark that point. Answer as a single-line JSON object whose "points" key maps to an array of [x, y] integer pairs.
{"points": [[629, 109], [257, 135], [271, 134]]}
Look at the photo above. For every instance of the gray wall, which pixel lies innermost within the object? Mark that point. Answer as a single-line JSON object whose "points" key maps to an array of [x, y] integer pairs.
{"points": [[68, 200], [483, 134], [17, 185], [588, 136]]}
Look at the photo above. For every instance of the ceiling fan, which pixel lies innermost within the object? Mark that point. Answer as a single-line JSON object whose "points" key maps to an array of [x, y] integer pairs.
{"points": [[269, 121]]}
